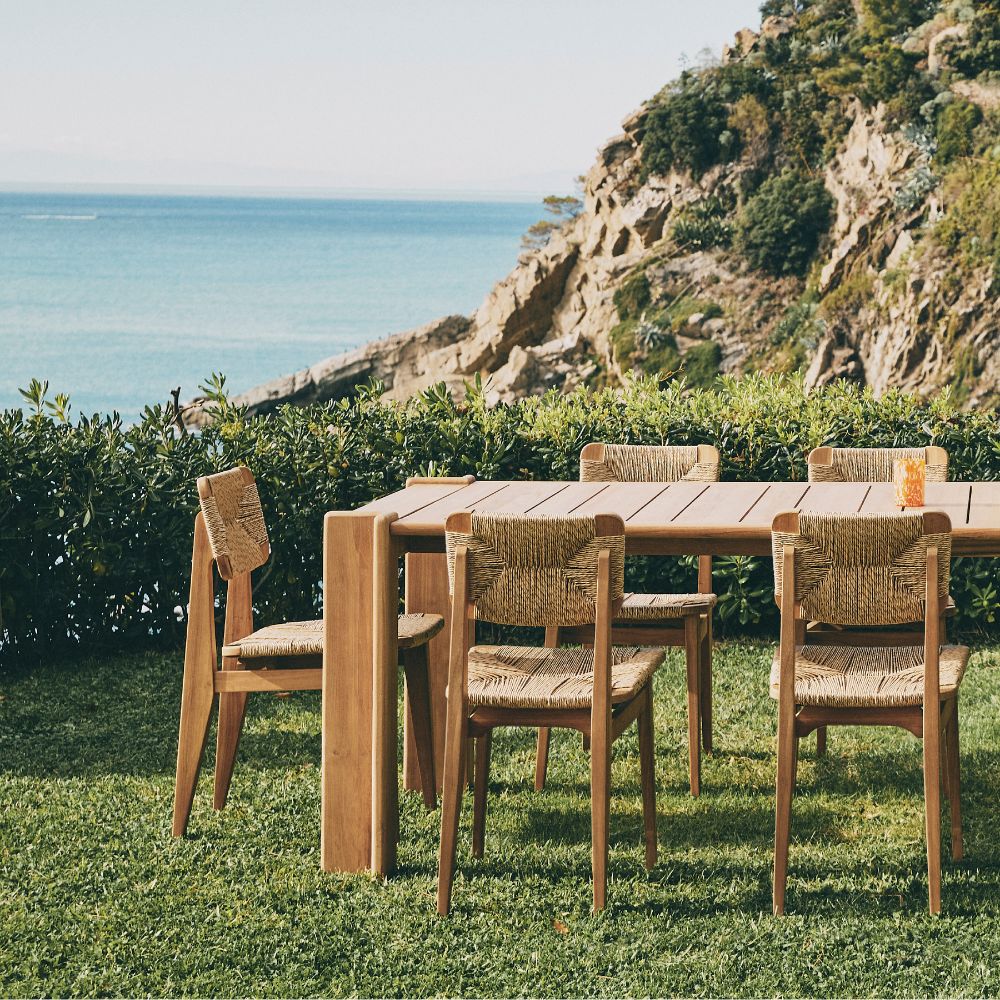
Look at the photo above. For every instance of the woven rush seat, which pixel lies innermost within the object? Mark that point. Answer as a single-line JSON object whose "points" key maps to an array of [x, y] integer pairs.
{"points": [[868, 677], [415, 629], [529, 677], [306, 638], [663, 607]]}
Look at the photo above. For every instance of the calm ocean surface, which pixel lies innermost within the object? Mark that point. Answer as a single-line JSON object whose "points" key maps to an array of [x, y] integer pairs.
{"points": [[117, 299]]}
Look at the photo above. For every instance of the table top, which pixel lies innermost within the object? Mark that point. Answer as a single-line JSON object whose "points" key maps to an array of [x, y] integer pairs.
{"points": [[729, 518]]}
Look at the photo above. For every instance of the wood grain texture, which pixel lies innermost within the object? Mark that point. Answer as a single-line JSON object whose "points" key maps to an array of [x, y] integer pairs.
{"points": [[384, 700], [522, 499], [418, 721], [834, 497], [692, 658], [276, 679], [570, 500], [433, 515], [697, 518], [349, 630], [232, 707], [427, 590], [669, 504], [198, 691], [456, 730], [625, 499], [600, 736]]}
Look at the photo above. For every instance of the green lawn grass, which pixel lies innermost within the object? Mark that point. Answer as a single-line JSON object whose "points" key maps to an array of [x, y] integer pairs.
{"points": [[97, 898]]}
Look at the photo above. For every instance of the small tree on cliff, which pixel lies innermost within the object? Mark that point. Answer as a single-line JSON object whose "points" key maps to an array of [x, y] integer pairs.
{"points": [[563, 209]]}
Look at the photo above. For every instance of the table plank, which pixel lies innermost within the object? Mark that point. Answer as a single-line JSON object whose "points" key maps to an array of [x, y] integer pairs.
{"points": [[717, 507], [430, 518], [412, 498], [662, 509], [880, 499], [952, 498], [623, 499], [566, 501], [984, 506], [834, 497], [519, 498], [777, 498]]}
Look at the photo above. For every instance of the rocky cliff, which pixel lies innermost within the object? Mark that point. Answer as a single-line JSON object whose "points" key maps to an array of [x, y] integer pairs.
{"points": [[823, 198]]}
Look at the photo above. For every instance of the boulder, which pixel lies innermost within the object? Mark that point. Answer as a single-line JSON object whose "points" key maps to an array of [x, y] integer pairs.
{"points": [[404, 363], [937, 46]]}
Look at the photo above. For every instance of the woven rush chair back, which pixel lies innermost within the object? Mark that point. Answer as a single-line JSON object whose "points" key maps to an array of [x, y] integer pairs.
{"points": [[872, 465], [862, 569], [537, 571], [640, 463], [234, 520]]}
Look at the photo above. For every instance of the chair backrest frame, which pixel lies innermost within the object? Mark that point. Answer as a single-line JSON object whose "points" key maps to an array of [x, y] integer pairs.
{"points": [[239, 620], [787, 525], [537, 571], [871, 465], [861, 569], [634, 463], [234, 519], [608, 529]]}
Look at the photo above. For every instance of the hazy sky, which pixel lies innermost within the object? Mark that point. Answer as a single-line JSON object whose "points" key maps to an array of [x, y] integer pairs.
{"points": [[512, 95]]}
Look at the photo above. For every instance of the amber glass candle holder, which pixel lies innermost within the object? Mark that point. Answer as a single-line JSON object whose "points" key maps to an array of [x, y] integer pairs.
{"points": [[910, 477]]}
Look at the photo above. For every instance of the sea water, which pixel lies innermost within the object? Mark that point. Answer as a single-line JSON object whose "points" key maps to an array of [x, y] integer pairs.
{"points": [[118, 299]]}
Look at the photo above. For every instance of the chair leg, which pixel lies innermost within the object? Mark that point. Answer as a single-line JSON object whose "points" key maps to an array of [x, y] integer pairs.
{"points": [[692, 651], [418, 700], [541, 757], [647, 765], [784, 789], [932, 803], [232, 709], [945, 772], [821, 741], [483, 747], [542, 748], [955, 784], [196, 711], [705, 695], [600, 810], [451, 804]]}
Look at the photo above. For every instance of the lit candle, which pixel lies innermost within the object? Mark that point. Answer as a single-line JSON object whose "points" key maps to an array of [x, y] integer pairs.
{"points": [[909, 476]]}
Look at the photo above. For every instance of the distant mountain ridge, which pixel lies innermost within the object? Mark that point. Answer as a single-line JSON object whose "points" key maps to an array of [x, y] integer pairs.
{"points": [[825, 197]]}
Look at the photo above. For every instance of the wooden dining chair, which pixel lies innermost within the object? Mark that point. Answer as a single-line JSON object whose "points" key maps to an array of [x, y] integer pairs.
{"points": [[229, 531], [549, 572], [871, 465], [658, 619], [868, 570]]}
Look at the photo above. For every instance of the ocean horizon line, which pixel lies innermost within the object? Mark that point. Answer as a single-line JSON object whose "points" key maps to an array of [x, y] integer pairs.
{"points": [[456, 195]]}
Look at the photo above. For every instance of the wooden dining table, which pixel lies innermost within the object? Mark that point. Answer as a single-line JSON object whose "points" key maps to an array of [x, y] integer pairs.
{"points": [[361, 559]]}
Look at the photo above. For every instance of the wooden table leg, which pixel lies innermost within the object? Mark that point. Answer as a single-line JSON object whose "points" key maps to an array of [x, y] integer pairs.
{"points": [[427, 590], [349, 590], [385, 698]]}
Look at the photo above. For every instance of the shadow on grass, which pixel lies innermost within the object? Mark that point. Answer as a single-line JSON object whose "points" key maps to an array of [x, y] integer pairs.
{"points": [[89, 720]]}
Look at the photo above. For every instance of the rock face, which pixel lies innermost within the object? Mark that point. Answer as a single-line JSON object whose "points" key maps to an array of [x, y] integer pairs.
{"points": [[403, 363], [902, 320]]}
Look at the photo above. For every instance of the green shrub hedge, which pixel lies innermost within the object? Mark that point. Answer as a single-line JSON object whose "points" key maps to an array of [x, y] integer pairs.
{"points": [[96, 516]]}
